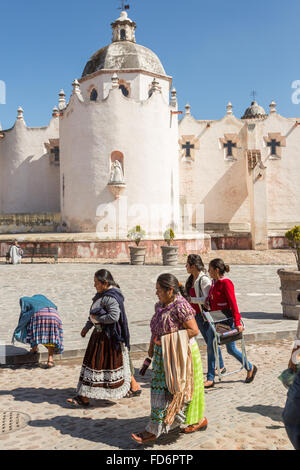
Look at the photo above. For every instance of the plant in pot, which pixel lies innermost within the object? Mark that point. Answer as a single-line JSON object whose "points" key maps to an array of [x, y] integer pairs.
{"points": [[169, 252], [290, 279], [137, 253]]}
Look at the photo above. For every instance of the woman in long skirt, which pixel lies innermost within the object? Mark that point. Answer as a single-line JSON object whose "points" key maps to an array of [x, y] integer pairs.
{"points": [[173, 314], [40, 323], [105, 372]]}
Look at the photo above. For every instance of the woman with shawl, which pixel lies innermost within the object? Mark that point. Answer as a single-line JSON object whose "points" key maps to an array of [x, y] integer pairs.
{"points": [[39, 323], [105, 372], [177, 392]]}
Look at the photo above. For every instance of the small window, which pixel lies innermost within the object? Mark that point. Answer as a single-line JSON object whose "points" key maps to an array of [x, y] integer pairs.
{"points": [[124, 90], [123, 35], [94, 95], [55, 156]]}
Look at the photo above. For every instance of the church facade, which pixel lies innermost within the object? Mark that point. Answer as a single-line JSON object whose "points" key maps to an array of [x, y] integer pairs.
{"points": [[115, 155]]}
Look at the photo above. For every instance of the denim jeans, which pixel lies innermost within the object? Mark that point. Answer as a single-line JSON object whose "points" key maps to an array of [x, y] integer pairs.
{"points": [[231, 349], [205, 331], [291, 413]]}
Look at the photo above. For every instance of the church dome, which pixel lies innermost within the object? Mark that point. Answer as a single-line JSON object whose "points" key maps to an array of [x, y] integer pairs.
{"points": [[254, 111], [123, 53]]}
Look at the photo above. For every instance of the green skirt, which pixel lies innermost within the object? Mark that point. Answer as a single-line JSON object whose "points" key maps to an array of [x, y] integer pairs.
{"points": [[161, 397]]}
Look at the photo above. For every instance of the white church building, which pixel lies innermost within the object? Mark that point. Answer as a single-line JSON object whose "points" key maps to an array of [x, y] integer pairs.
{"points": [[116, 151]]}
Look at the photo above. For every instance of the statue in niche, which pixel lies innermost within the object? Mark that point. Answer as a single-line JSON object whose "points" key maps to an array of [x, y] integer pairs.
{"points": [[116, 174]]}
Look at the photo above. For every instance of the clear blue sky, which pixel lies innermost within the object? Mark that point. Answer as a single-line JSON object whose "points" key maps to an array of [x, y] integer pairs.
{"points": [[216, 51]]}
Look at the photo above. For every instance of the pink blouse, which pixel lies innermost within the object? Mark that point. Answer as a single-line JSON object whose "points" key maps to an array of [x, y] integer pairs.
{"points": [[170, 318]]}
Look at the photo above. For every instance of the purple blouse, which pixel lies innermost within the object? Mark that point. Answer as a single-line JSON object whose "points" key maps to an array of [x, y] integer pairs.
{"points": [[170, 318]]}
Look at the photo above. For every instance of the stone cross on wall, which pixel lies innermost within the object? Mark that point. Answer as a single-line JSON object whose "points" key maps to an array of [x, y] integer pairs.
{"points": [[273, 144], [188, 145], [231, 143], [275, 141]]}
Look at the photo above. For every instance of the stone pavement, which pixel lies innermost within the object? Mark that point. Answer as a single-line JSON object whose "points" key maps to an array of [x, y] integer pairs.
{"points": [[240, 416], [71, 288]]}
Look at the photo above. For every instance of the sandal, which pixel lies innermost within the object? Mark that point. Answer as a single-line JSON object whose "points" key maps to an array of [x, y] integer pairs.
{"points": [[196, 427], [49, 365], [78, 401], [133, 393], [209, 386], [142, 440]]}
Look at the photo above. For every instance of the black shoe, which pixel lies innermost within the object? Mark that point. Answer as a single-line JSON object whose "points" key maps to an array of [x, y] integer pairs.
{"points": [[250, 379]]}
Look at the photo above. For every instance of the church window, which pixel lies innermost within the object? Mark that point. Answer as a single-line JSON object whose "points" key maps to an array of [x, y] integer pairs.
{"points": [[229, 145], [188, 147], [123, 35], [94, 95], [55, 155], [125, 90]]}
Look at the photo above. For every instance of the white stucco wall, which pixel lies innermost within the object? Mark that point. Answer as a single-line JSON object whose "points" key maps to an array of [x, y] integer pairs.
{"points": [[142, 131], [218, 184], [29, 183], [283, 175], [140, 84]]}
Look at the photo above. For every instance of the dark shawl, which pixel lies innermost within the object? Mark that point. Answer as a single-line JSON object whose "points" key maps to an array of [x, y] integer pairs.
{"points": [[118, 331]]}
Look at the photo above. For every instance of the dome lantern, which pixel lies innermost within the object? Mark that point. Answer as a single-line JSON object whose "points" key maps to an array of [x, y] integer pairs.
{"points": [[255, 111], [123, 29]]}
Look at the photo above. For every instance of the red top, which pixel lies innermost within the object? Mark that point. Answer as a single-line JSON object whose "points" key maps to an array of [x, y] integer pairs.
{"points": [[222, 297], [195, 306]]}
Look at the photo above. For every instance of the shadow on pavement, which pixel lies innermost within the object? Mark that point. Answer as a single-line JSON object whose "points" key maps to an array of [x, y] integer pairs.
{"points": [[263, 316], [55, 396], [114, 432], [273, 412]]}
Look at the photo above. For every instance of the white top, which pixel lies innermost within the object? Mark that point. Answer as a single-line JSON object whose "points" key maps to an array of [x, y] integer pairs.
{"points": [[205, 282]]}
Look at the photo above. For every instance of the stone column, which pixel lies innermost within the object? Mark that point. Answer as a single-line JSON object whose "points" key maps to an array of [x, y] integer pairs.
{"points": [[257, 189]]}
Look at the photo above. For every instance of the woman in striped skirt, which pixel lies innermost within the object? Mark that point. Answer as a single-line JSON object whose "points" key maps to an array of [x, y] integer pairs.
{"points": [[173, 314], [40, 323]]}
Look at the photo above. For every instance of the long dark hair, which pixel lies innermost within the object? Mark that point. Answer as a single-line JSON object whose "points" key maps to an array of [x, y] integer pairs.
{"points": [[219, 264], [105, 276], [169, 281], [193, 260]]}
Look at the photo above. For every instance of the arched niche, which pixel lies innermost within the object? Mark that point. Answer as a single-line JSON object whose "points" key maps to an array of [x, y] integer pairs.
{"points": [[117, 155]]}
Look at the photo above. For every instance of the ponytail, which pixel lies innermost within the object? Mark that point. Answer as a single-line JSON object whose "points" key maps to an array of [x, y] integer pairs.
{"points": [[103, 275], [219, 264]]}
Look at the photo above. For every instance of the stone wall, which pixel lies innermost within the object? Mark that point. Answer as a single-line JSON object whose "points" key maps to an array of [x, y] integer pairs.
{"points": [[29, 223]]}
